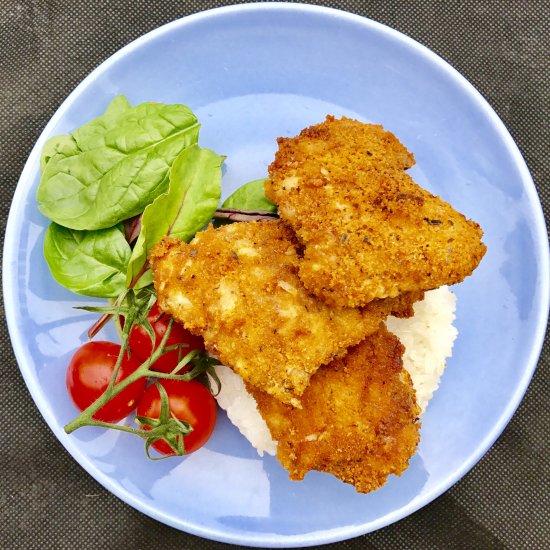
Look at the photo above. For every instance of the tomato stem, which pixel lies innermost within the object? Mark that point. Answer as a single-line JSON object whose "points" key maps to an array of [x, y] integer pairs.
{"points": [[85, 417], [117, 365], [119, 427], [104, 319], [169, 376]]}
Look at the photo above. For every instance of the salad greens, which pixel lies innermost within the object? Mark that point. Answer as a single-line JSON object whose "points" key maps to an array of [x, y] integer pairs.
{"points": [[187, 206], [250, 196], [92, 263], [67, 146], [139, 165], [63, 145], [112, 167]]}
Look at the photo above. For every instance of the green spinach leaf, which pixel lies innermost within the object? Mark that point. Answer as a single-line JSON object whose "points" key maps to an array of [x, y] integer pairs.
{"points": [[58, 145], [111, 168], [92, 263], [187, 206], [250, 196]]}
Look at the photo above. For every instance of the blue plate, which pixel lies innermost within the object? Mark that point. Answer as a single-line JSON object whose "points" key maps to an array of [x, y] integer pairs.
{"points": [[252, 73]]}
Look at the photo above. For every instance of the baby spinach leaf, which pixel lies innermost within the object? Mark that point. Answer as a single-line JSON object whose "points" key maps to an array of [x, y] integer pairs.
{"points": [[91, 135], [250, 196], [143, 281], [92, 263], [187, 206], [112, 167], [63, 145], [66, 145], [117, 106]]}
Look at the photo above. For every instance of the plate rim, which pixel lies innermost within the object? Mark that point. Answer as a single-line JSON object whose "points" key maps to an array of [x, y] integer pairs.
{"points": [[265, 539]]}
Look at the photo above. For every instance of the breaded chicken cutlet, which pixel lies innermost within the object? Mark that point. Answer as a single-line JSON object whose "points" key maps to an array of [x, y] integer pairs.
{"points": [[359, 419], [237, 286], [369, 231]]}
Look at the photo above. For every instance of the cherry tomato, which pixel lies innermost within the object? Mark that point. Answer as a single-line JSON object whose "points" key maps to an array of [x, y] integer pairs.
{"points": [[190, 402], [88, 376], [142, 346]]}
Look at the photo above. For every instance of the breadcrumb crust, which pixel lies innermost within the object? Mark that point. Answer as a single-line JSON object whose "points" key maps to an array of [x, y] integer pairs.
{"points": [[359, 417], [238, 287], [368, 229]]}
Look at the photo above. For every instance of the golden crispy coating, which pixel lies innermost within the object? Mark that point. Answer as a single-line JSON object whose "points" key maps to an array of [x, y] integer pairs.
{"points": [[237, 287], [402, 305], [368, 229], [359, 419]]}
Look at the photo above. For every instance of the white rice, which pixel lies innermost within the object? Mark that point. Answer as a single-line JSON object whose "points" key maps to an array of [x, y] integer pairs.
{"points": [[428, 338], [241, 409]]}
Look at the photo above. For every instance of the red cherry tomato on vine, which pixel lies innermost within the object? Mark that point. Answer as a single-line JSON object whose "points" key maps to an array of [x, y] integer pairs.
{"points": [[142, 347], [89, 373], [189, 401]]}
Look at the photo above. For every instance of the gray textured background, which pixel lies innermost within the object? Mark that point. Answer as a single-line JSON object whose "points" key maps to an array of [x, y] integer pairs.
{"points": [[46, 48]]}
